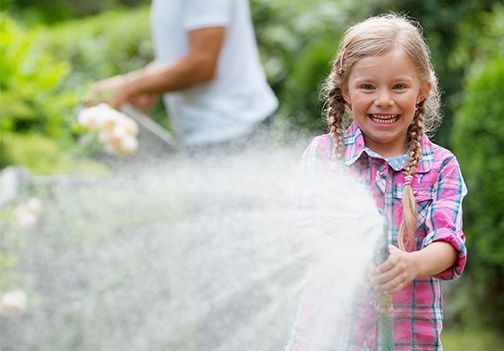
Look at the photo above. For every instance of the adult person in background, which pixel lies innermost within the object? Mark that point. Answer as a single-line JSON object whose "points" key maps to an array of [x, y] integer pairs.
{"points": [[208, 70]]}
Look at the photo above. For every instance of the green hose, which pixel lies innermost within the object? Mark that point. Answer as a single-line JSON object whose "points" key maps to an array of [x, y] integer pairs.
{"points": [[384, 305], [385, 322]]}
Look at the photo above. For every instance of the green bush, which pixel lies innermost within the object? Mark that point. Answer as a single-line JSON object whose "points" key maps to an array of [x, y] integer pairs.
{"points": [[100, 46], [478, 140], [50, 11], [31, 94], [297, 40], [301, 95]]}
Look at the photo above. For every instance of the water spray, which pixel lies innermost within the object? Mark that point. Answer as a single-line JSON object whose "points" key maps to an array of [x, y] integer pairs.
{"points": [[187, 255]]}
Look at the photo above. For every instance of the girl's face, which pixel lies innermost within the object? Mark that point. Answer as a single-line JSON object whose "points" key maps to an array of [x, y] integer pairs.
{"points": [[382, 92]]}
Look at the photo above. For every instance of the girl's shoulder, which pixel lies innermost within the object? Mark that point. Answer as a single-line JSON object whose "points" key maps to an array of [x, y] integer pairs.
{"points": [[438, 164], [436, 156], [320, 147]]}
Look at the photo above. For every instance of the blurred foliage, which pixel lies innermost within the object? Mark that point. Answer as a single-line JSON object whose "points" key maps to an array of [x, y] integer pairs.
{"points": [[472, 340], [478, 141], [44, 156], [50, 11], [31, 95], [100, 46], [298, 40]]}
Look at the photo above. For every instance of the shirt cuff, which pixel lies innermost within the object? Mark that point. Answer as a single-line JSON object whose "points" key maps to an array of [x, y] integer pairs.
{"points": [[457, 240]]}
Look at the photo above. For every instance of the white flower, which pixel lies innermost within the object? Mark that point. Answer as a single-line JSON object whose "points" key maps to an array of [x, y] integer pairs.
{"points": [[104, 136], [13, 303], [119, 132], [34, 205], [88, 119], [26, 215], [116, 131], [129, 145], [131, 126]]}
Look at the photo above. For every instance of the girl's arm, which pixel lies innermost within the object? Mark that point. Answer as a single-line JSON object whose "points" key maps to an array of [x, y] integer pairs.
{"points": [[402, 267], [443, 254]]}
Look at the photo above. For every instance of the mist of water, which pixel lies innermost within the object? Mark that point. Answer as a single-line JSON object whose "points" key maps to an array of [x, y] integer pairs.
{"points": [[185, 254]]}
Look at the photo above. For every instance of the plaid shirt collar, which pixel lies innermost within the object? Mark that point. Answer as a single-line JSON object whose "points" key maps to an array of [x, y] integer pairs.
{"points": [[355, 148]]}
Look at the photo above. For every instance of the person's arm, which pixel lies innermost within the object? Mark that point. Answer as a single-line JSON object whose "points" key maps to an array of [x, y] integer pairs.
{"points": [[402, 267], [444, 254], [198, 65]]}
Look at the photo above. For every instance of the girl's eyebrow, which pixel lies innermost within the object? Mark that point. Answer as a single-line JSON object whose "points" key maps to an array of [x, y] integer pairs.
{"points": [[393, 79], [403, 78]]}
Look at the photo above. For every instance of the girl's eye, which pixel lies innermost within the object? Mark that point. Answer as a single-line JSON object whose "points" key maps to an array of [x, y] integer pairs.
{"points": [[367, 87], [399, 86]]}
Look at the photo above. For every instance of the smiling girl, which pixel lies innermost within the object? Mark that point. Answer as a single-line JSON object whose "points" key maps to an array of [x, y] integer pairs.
{"points": [[383, 78]]}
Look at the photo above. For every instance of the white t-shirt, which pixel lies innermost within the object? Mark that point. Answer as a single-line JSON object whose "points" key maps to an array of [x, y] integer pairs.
{"points": [[238, 98]]}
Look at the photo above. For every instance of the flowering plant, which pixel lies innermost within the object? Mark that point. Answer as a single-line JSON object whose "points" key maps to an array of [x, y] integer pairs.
{"points": [[114, 130]]}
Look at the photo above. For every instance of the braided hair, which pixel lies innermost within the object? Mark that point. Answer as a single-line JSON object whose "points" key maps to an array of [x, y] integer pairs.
{"points": [[374, 37]]}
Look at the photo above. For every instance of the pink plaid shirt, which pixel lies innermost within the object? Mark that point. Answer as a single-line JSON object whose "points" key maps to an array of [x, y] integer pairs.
{"points": [[439, 189]]}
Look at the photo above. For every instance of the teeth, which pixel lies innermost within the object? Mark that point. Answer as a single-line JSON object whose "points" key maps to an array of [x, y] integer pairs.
{"points": [[384, 119], [384, 116]]}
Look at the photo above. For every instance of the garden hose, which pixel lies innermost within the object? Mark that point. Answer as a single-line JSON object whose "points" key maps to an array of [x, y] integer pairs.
{"points": [[384, 305], [385, 309]]}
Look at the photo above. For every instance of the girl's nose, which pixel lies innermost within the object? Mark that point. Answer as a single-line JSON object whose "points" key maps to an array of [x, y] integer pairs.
{"points": [[384, 99]]}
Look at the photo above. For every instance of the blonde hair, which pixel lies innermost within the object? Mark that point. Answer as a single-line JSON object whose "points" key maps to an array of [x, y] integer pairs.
{"points": [[377, 36]]}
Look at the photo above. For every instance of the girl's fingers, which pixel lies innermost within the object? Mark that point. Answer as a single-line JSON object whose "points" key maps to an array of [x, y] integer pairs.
{"points": [[389, 264], [385, 277], [394, 274], [395, 284]]}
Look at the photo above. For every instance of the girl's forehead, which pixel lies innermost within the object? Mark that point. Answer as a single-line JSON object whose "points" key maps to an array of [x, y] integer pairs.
{"points": [[393, 63]]}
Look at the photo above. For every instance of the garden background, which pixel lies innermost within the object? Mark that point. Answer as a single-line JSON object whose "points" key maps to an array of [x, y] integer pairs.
{"points": [[52, 50]]}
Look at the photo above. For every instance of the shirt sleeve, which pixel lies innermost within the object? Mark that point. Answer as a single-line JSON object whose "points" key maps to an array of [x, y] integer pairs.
{"points": [[444, 220], [315, 160], [302, 215], [204, 13]]}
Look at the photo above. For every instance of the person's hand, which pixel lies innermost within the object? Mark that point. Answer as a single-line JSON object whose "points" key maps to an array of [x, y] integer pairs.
{"points": [[114, 90], [143, 102], [396, 272]]}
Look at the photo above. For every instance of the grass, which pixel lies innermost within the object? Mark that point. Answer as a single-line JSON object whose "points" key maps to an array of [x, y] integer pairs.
{"points": [[472, 340]]}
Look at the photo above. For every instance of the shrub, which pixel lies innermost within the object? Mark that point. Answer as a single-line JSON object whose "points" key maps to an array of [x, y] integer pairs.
{"points": [[100, 46], [298, 40], [50, 11], [478, 140], [31, 95]]}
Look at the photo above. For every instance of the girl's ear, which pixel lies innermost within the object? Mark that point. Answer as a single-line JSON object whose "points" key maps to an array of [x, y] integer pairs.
{"points": [[344, 92], [424, 92]]}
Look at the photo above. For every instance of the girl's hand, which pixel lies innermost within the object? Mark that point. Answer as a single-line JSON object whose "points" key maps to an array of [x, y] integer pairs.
{"points": [[396, 272]]}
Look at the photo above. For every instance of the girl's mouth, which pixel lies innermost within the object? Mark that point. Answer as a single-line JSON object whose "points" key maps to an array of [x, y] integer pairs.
{"points": [[384, 119]]}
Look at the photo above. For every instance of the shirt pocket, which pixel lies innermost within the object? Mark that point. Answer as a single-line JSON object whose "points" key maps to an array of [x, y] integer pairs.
{"points": [[424, 198]]}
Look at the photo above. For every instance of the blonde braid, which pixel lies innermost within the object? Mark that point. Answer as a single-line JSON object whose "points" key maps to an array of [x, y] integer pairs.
{"points": [[409, 222], [334, 115]]}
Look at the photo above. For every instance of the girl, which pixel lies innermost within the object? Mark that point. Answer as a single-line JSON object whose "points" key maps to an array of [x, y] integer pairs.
{"points": [[382, 76]]}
